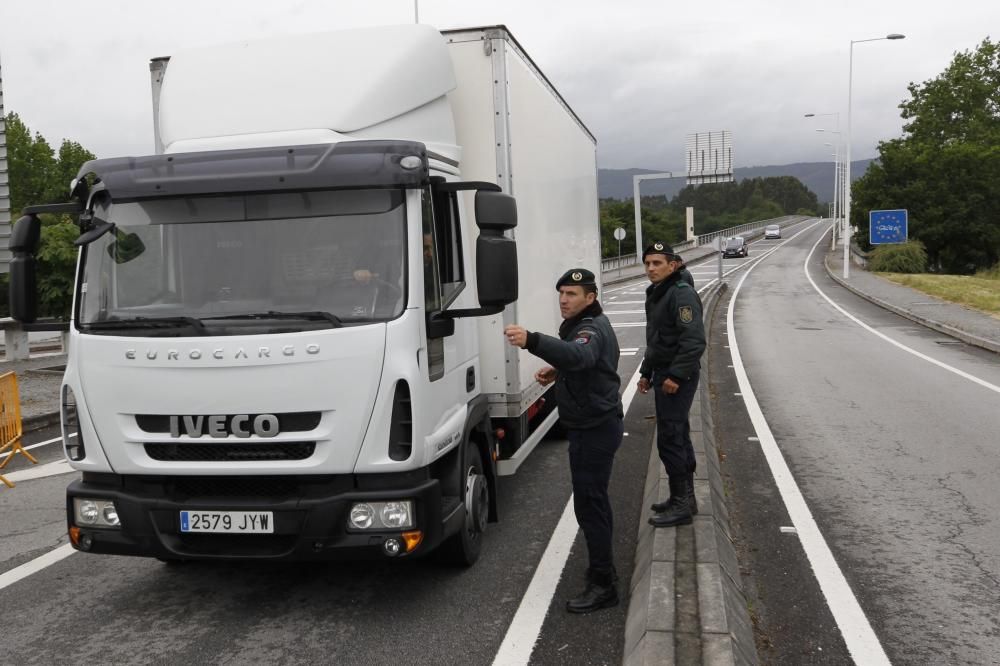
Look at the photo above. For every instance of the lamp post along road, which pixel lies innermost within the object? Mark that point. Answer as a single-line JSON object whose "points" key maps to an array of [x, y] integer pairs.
{"points": [[836, 184], [847, 159], [635, 201], [836, 196], [837, 174]]}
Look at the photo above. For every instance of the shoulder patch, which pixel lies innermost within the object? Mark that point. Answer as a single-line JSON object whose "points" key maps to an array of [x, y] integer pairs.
{"points": [[583, 337], [686, 314]]}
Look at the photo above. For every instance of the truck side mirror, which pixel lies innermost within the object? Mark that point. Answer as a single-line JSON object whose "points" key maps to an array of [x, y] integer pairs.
{"points": [[496, 254], [24, 242], [495, 210]]}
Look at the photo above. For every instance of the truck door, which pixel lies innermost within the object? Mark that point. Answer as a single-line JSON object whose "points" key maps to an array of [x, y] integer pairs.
{"points": [[444, 277]]}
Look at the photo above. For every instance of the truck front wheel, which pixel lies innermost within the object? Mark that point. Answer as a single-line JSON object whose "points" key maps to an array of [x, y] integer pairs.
{"points": [[464, 547]]}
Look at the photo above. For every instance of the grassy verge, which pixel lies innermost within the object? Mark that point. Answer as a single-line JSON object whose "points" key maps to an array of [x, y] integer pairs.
{"points": [[981, 292]]}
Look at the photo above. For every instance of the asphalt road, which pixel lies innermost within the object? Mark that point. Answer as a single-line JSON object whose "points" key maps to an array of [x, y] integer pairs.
{"points": [[894, 455], [116, 610]]}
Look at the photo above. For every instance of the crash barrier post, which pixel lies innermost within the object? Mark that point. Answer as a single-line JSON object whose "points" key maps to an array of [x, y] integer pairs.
{"points": [[10, 423]]}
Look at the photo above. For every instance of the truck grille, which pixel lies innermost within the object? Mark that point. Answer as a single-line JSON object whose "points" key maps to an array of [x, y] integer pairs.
{"points": [[273, 487], [230, 452], [287, 422]]}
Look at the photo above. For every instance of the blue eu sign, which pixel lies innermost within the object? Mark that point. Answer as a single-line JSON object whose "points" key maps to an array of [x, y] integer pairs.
{"points": [[887, 226]]}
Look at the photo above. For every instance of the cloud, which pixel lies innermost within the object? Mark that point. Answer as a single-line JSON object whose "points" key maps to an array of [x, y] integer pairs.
{"points": [[641, 74]]}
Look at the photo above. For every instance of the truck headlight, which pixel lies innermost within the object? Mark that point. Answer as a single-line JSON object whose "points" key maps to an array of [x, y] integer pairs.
{"points": [[396, 514], [392, 515], [95, 513], [362, 516], [72, 440]]}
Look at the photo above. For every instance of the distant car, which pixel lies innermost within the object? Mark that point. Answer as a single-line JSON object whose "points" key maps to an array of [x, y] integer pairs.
{"points": [[772, 231], [736, 247]]}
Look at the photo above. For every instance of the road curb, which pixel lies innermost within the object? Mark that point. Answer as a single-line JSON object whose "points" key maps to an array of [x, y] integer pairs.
{"points": [[39, 421], [687, 604], [940, 327]]}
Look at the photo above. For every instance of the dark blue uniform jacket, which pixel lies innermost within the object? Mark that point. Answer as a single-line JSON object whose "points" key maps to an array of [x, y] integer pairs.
{"points": [[675, 333], [586, 356]]}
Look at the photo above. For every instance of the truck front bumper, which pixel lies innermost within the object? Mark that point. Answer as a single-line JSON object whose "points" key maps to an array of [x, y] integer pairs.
{"points": [[310, 516]]}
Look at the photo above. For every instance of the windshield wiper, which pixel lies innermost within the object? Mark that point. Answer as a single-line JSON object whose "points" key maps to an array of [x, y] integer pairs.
{"points": [[315, 315], [148, 322]]}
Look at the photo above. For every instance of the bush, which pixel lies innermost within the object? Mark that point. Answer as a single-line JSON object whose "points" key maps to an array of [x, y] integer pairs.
{"points": [[909, 257]]}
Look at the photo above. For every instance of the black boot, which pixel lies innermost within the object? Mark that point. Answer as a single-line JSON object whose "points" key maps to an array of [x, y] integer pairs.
{"points": [[599, 593], [678, 511], [692, 501], [661, 507]]}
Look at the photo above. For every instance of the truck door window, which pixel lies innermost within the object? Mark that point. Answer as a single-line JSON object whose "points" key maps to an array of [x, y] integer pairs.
{"points": [[447, 245], [432, 279]]}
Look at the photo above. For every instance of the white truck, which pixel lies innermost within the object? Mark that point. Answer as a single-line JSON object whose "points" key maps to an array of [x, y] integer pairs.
{"points": [[286, 339]]}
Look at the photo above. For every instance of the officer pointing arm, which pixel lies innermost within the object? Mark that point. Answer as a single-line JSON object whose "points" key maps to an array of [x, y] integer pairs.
{"points": [[584, 366]]}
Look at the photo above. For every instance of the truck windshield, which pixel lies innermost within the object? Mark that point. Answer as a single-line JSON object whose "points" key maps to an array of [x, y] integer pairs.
{"points": [[245, 264]]}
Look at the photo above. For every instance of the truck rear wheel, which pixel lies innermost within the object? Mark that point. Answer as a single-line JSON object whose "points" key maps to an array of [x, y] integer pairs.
{"points": [[464, 547]]}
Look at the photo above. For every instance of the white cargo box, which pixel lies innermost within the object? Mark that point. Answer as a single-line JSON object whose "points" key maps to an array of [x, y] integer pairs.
{"points": [[498, 116], [517, 131]]}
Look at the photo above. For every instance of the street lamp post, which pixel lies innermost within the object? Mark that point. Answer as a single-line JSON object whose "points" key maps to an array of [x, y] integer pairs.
{"points": [[847, 159], [836, 178], [837, 173], [836, 193], [635, 202]]}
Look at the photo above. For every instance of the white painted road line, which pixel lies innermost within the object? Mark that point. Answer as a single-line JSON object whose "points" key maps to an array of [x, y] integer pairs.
{"points": [[46, 442], [48, 559], [900, 345], [40, 471], [862, 643]]}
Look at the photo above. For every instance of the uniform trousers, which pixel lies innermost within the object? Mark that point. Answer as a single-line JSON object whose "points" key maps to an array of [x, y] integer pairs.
{"points": [[673, 431], [591, 456]]}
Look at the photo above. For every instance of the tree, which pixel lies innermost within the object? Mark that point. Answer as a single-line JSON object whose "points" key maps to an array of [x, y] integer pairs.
{"points": [[38, 176], [717, 206], [31, 165], [945, 169]]}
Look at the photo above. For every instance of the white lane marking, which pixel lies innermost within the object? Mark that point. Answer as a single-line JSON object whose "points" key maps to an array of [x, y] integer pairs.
{"points": [[629, 302], [519, 642], [628, 324], [862, 643], [48, 559], [909, 350], [41, 471], [48, 441], [613, 290], [619, 312]]}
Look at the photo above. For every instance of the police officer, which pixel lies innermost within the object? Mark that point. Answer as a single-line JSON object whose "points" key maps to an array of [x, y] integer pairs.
{"points": [[585, 368], [675, 341]]}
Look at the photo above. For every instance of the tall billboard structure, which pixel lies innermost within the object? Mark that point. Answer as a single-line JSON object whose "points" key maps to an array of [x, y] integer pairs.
{"points": [[4, 190], [709, 157]]}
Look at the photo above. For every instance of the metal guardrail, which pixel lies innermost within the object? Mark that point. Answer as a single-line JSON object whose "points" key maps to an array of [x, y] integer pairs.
{"points": [[748, 229], [16, 344]]}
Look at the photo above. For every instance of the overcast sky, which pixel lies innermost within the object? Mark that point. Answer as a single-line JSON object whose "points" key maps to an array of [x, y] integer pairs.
{"points": [[642, 74]]}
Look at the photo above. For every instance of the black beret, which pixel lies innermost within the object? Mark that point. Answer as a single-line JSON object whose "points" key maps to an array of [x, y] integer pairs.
{"points": [[661, 248], [577, 276]]}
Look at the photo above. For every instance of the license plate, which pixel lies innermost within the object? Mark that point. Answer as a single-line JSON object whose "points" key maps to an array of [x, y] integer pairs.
{"points": [[228, 522]]}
